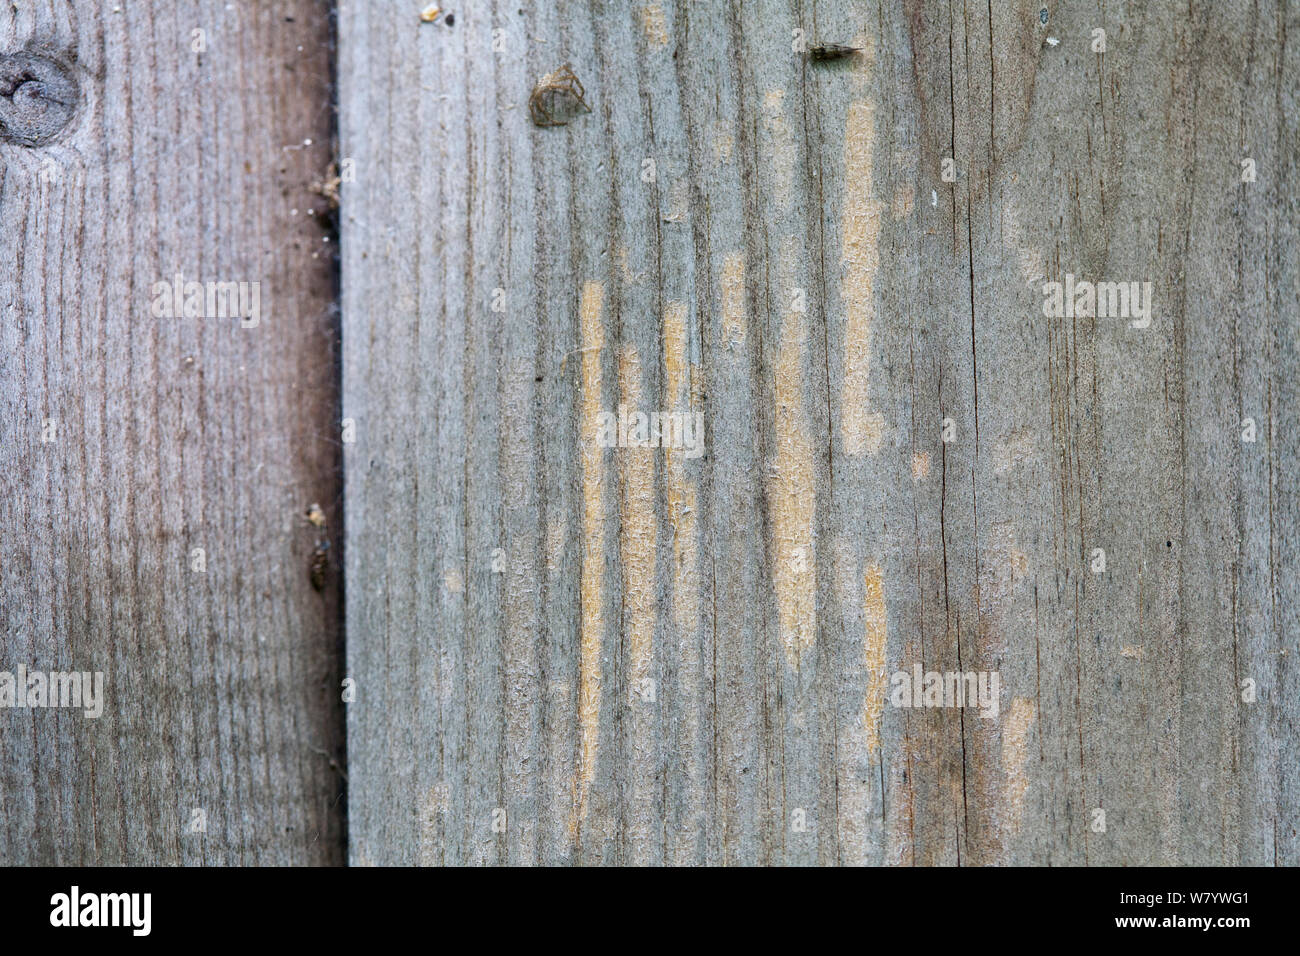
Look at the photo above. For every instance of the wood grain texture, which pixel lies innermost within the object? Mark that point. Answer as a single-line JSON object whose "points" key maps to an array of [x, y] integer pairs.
{"points": [[798, 269], [171, 434]]}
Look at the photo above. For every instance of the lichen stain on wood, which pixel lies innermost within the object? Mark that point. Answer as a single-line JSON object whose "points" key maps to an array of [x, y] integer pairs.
{"points": [[591, 310], [863, 429]]}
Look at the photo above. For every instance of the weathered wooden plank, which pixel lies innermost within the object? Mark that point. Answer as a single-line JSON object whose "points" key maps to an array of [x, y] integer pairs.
{"points": [[130, 440], [908, 464]]}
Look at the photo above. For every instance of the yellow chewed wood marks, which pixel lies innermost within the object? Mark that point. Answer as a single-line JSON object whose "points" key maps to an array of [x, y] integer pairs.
{"points": [[556, 532], [680, 489], [678, 385], [654, 25], [679, 197], [432, 823], [1003, 569], [453, 580], [735, 327], [637, 536], [724, 143], [920, 466], [1015, 756], [865, 61], [625, 266], [875, 644], [679, 389], [1017, 449], [1031, 262], [904, 196], [792, 491], [778, 146], [863, 429], [592, 627]]}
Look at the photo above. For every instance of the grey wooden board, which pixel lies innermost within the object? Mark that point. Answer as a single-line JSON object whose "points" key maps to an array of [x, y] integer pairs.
{"points": [[798, 269], [171, 434]]}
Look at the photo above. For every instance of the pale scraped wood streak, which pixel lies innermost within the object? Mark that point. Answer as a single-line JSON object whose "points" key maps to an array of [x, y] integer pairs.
{"points": [[796, 268], [172, 434]]}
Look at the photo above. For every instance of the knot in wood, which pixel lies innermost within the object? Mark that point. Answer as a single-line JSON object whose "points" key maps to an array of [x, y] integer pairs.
{"points": [[38, 98]]}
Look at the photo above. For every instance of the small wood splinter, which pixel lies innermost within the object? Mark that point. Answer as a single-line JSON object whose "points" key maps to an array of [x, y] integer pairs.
{"points": [[832, 51], [561, 81]]}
